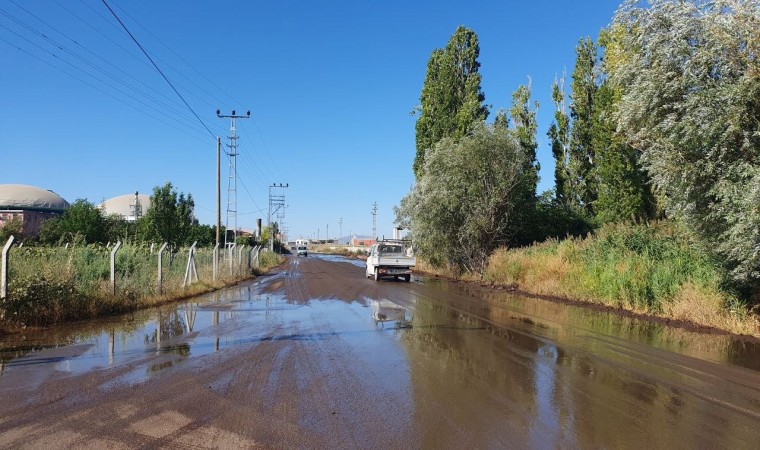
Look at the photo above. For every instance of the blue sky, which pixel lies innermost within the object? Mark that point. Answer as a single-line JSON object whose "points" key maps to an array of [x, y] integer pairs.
{"points": [[330, 86]]}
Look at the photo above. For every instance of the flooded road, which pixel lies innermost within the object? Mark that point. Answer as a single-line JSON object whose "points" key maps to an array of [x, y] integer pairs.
{"points": [[317, 356]]}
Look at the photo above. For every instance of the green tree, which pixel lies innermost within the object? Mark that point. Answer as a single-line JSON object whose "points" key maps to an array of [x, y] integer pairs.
{"points": [[170, 216], [204, 235], [559, 137], [451, 102], [501, 120], [12, 227], [82, 221], [523, 118], [582, 154], [525, 127], [463, 204], [623, 190], [688, 72]]}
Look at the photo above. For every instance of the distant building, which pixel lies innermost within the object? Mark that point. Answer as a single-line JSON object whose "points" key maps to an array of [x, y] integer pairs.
{"points": [[130, 206], [363, 240], [29, 204]]}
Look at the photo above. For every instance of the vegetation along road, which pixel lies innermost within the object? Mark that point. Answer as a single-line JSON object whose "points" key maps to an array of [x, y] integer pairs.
{"points": [[316, 355]]}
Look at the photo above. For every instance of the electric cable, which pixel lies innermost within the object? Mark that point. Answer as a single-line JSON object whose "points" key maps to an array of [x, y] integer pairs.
{"points": [[158, 69]]}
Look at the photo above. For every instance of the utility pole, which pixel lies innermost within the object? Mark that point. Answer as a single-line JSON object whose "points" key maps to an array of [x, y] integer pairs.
{"points": [[374, 220], [232, 178], [218, 187], [276, 202], [340, 225], [327, 232]]}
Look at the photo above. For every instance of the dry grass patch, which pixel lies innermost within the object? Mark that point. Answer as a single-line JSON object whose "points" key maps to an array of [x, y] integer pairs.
{"points": [[703, 306]]}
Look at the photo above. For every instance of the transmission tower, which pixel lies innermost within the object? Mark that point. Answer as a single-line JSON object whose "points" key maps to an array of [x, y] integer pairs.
{"points": [[374, 220], [276, 206], [232, 177]]}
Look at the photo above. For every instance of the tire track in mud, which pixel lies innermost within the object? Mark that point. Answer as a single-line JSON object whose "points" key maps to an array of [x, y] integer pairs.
{"points": [[323, 376]]}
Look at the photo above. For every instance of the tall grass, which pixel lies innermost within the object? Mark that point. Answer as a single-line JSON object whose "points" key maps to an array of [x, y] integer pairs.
{"points": [[48, 285], [647, 269], [341, 251]]}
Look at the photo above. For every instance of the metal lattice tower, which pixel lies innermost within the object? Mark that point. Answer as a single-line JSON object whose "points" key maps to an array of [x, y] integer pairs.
{"points": [[232, 177], [374, 220], [276, 206]]}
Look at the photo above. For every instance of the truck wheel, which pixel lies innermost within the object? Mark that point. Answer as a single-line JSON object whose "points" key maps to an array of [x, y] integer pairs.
{"points": [[377, 274], [407, 278]]}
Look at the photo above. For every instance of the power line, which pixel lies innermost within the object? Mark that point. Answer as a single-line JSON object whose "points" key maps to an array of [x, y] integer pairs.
{"points": [[179, 118], [89, 68], [77, 43], [90, 84], [274, 164], [184, 61], [81, 59], [158, 69], [211, 103], [251, 166]]}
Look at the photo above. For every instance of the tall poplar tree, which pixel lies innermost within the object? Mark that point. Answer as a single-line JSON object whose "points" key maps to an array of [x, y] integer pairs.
{"points": [[525, 127], [623, 189], [559, 136], [451, 102], [582, 154]]}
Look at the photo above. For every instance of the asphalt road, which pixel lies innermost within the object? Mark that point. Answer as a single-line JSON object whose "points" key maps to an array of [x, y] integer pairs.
{"points": [[317, 356]]}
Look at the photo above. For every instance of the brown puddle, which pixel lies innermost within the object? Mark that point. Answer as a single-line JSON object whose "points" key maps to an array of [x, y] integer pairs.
{"points": [[427, 364]]}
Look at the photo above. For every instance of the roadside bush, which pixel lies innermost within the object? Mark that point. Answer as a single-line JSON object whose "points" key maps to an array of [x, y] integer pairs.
{"points": [[643, 267], [468, 200], [269, 259], [43, 301], [648, 269], [50, 285]]}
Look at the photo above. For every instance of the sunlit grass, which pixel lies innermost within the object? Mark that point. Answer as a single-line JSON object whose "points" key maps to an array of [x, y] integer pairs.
{"points": [[49, 285], [646, 269]]}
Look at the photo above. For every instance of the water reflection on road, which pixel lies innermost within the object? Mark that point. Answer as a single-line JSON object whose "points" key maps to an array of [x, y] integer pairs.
{"points": [[193, 328], [465, 365]]}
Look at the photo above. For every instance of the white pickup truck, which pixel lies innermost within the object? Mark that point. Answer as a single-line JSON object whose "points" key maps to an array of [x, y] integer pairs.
{"points": [[390, 258]]}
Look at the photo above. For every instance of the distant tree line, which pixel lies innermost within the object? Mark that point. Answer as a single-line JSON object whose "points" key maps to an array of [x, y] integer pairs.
{"points": [[660, 122], [168, 219]]}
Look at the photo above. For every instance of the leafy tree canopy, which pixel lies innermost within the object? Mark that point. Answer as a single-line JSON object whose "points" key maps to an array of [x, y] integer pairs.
{"points": [[82, 221], [170, 216], [690, 77], [451, 102], [463, 205]]}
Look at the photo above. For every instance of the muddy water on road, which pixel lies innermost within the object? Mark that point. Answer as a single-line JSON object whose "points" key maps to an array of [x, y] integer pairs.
{"points": [[425, 364]]}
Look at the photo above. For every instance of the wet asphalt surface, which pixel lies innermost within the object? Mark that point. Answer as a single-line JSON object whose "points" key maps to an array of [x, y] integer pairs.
{"points": [[315, 355]]}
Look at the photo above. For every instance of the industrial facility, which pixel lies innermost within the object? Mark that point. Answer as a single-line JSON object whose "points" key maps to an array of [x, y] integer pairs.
{"points": [[29, 204], [130, 207]]}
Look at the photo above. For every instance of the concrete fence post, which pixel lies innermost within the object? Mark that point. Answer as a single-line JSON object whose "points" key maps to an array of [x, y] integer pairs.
{"points": [[257, 253], [191, 273], [216, 261], [240, 258], [159, 285], [231, 255], [113, 266], [4, 270]]}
